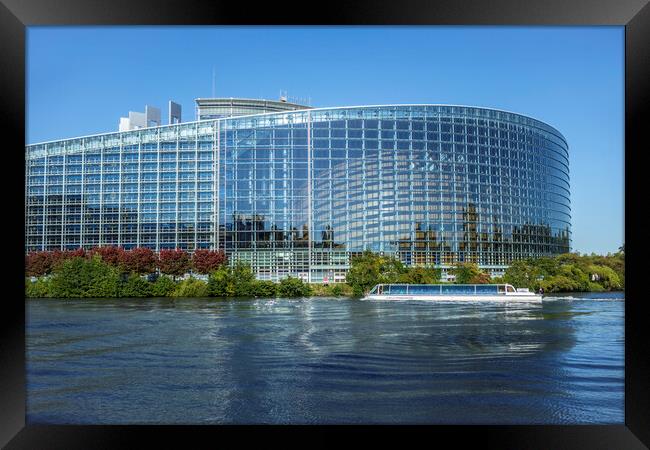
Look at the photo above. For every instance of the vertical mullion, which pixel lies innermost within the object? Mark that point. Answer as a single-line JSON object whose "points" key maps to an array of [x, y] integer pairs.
{"points": [[119, 196], [27, 197], [139, 189], [309, 199], [82, 232], [46, 198], [196, 186], [63, 198], [102, 151], [178, 186], [215, 187], [158, 181]]}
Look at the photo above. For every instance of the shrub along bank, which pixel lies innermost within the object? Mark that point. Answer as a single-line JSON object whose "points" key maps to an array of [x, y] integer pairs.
{"points": [[569, 272], [81, 277], [112, 272], [139, 260]]}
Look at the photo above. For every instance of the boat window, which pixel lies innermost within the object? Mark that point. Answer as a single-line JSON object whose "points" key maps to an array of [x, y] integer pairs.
{"points": [[374, 290], [458, 289], [486, 289], [397, 289], [511, 289], [380, 290], [417, 290], [502, 288], [424, 289], [465, 289]]}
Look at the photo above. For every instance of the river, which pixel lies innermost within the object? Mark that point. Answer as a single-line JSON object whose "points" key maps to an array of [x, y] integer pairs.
{"points": [[325, 361]]}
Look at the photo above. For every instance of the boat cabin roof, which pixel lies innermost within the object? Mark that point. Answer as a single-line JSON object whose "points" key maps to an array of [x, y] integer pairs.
{"points": [[442, 288]]}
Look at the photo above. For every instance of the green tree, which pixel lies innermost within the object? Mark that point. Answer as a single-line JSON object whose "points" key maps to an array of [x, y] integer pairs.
{"points": [[163, 287], [243, 272], [235, 281], [465, 272], [243, 279], [420, 275], [263, 288], [221, 282], [595, 287], [191, 287], [135, 286], [569, 258], [391, 269], [293, 287], [369, 269], [37, 289], [607, 277], [576, 275], [481, 278], [545, 266], [239, 281], [79, 277], [339, 290], [559, 283], [522, 274]]}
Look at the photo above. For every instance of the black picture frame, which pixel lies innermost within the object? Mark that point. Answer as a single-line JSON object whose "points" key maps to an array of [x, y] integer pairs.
{"points": [[16, 15]]}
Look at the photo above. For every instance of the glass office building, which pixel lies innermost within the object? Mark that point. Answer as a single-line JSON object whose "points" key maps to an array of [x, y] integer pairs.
{"points": [[300, 192]]}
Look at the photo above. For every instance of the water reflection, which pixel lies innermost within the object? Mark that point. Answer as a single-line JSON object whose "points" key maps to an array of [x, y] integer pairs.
{"points": [[323, 361]]}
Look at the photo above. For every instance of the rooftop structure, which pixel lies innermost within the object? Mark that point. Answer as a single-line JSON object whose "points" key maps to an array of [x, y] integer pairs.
{"points": [[218, 108], [150, 117], [174, 113], [137, 120]]}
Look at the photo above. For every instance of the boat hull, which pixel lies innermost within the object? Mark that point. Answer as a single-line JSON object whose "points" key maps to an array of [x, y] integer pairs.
{"points": [[513, 298]]}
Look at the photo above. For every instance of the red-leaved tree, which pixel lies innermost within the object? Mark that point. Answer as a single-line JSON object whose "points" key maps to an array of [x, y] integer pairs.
{"points": [[76, 253], [59, 256], [140, 260], [174, 262], [205, 261], [38, 263], [42, 263], [110, 255]]}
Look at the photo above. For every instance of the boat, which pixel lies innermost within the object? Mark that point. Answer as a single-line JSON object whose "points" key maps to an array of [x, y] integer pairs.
{"points": [[504, 293]]}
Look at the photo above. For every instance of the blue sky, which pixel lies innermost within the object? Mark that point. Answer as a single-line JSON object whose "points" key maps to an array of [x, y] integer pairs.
{"points": [[80, 80]]}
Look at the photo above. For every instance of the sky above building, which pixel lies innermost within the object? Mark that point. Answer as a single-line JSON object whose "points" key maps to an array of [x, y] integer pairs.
{"points": [[81, 80]]}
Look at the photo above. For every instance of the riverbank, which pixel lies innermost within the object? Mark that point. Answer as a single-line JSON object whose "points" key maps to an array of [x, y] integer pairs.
{"points": [[192, 288], [101, 274], [195, 288]]}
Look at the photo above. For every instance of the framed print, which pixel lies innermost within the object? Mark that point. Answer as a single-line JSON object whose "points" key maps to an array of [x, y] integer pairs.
{"points": [[416, 215]]}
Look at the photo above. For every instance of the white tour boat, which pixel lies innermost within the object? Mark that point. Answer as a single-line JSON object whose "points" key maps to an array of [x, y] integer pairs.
{"points": [[453, 292]]}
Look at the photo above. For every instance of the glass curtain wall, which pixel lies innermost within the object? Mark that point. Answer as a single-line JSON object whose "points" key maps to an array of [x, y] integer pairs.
{"points": [[299, 193]]}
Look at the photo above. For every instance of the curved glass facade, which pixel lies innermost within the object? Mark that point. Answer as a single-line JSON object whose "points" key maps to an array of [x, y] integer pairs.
{"points": [[298, 193]]}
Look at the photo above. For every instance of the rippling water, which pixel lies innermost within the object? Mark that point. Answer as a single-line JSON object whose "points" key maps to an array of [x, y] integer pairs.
{"points": [[325, 361]]}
